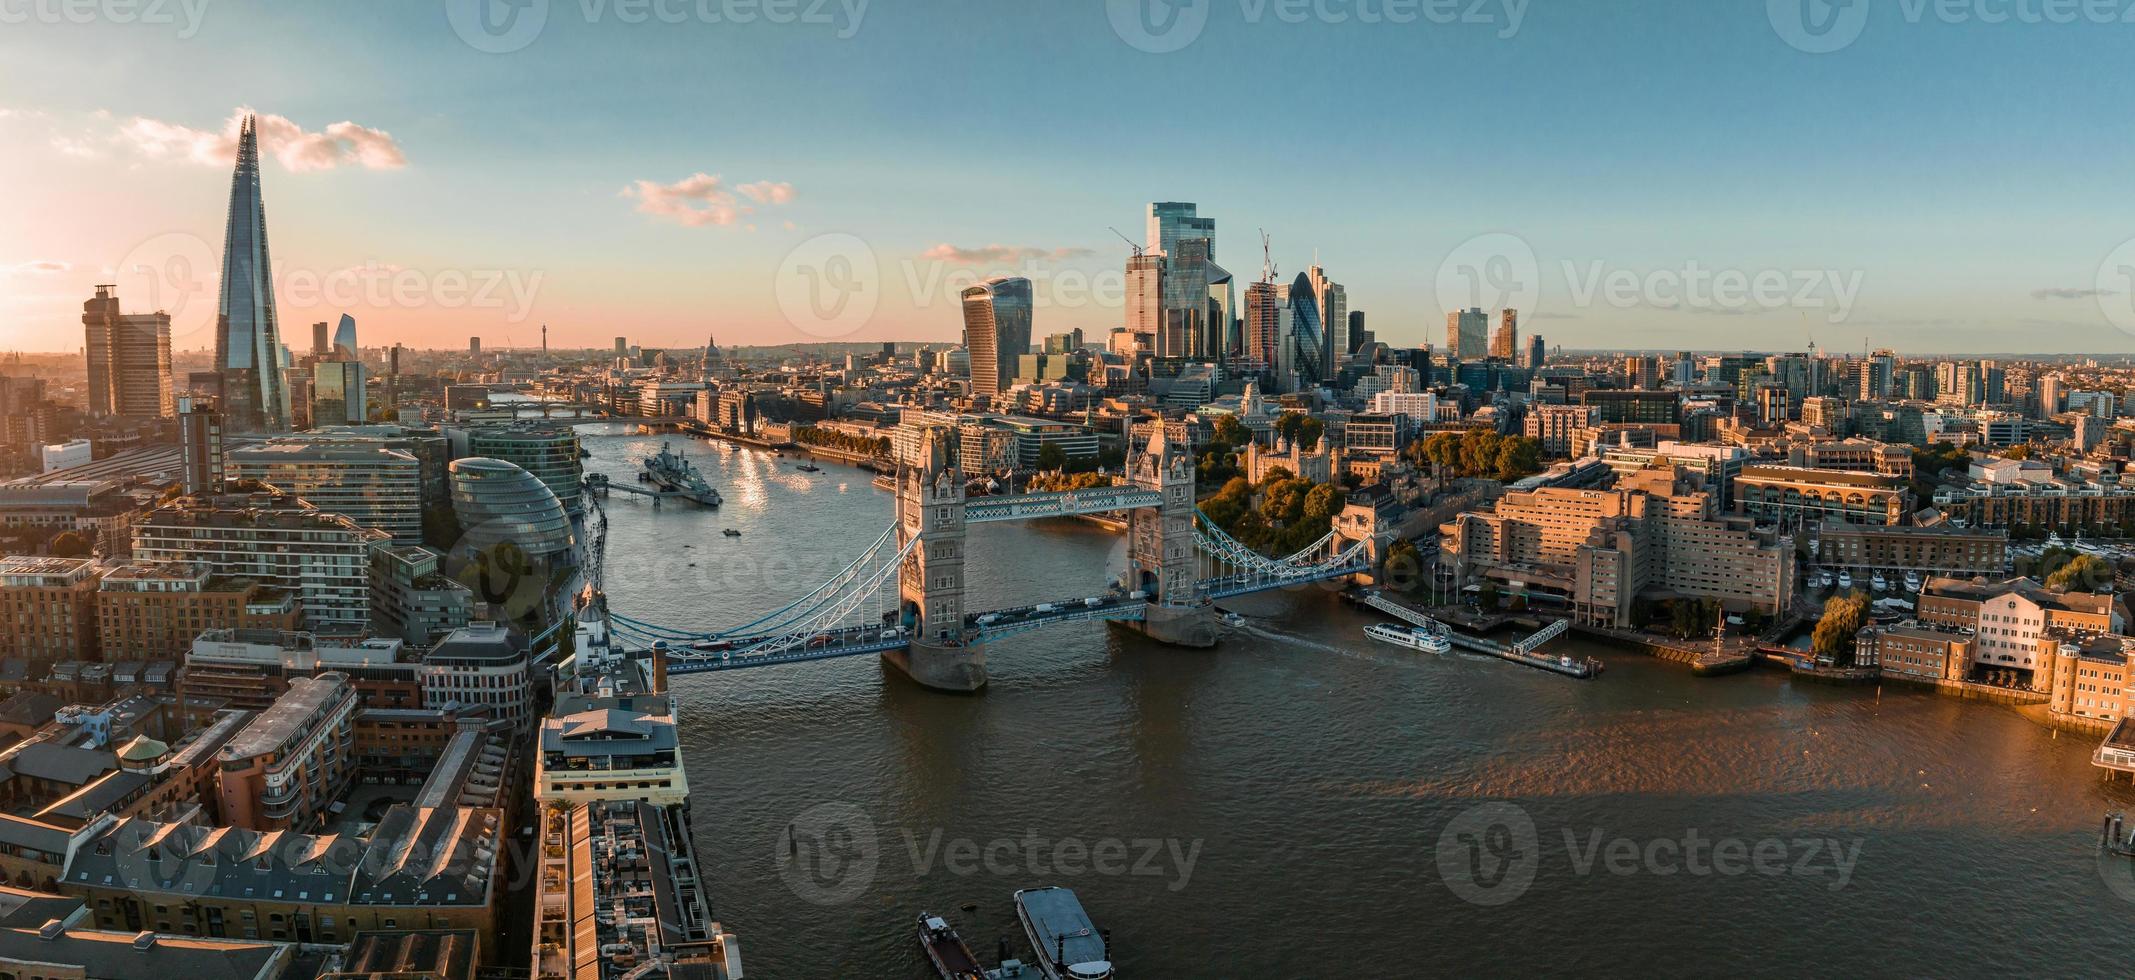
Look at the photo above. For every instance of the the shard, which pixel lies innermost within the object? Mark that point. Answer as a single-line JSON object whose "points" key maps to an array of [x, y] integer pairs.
{"points": [[248, 342]]}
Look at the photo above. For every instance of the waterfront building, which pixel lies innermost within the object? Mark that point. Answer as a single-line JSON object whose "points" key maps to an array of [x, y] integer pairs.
{"points": [[153, 610], [1797, 497], [248, 342], [997, 325], [129, 359], [293, 760], [48, 608], [374, 486], [2009, 619], [277, 540], [597, 747], [499, 503], [249, 668], [1595, 552], [548, 451]]}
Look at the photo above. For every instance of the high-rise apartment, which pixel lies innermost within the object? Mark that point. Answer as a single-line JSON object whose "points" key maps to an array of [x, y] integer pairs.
{"points": [[129, 359]]}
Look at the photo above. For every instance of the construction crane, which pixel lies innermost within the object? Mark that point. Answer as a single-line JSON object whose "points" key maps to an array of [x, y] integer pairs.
{"points": [[1131, 243], [1267, 260]]}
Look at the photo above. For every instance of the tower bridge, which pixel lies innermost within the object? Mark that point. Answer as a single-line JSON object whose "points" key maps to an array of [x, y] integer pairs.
{"points": [[1178, 564]]}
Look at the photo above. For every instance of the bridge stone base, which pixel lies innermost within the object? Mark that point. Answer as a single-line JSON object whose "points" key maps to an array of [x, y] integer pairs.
{"points": [[959, 669], [1179, 626]]}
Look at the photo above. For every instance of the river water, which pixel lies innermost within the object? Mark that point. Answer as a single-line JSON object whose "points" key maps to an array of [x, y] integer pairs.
{"points": [[1304, 802]]}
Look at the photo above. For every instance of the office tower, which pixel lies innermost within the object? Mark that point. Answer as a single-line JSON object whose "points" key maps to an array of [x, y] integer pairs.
{"points": [[1505, 343], [1145, 294], [199, 447], [129, 359], [1686, 369], [1465, 330], [548, 451], [1877, 378], [345, 339], [1537, 352], [1333, 317], [1263, 323], [2052, 389], [337, 395], [319, 344], [498, 503], [997, 316], [1307, 343], [1358, 335], [248, 340], [1188, 325], [622, 347], [1171, 222], [474, 345]]}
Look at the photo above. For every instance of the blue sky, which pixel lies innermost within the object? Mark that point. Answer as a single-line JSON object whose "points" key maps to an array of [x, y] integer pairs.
{"points": [[1961, 181]]}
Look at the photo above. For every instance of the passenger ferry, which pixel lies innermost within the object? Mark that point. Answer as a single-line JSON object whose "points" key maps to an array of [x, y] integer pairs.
{"points": [[946, 950], [1068, 945], [1413, 637]]}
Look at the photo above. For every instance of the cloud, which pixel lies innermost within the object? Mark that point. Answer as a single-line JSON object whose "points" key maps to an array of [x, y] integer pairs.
{"points": [[37, 267], [2056, 292], [297, 149], [705, 199], [998, 254]]}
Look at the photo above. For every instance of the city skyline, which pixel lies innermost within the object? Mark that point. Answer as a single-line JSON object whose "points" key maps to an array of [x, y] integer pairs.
{"points": [[464, 196]]}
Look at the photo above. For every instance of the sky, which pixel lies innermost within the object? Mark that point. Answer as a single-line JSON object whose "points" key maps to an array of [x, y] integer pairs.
{"points": [[1937, 176]]}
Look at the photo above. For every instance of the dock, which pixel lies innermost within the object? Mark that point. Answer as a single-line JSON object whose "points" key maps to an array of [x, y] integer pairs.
{"points": [[1521, 652]]}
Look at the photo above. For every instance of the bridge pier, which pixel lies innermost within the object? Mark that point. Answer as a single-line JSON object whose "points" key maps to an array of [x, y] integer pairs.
{"points": [[1179, 626], [958, 669]]}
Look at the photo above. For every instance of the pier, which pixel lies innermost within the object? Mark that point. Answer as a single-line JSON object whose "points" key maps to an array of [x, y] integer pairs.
{"points": [[1519, 652]]}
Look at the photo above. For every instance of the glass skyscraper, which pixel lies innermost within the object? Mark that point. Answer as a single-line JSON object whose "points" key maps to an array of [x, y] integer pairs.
{"points": [[1308, 338], [345, 338], [248, 342], [996, 331]]}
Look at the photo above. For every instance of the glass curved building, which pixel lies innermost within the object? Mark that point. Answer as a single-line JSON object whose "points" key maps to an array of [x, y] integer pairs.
{"points": [[248, 342], [996, 331], [497, 502], [550, 452]]}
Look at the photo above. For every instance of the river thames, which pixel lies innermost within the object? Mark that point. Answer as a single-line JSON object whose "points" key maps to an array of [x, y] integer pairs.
{"points": [[1304, 802]]}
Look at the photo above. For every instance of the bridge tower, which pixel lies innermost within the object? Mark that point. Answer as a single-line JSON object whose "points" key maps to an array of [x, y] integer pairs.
{"points": [[1162, 557], [930, 583]]}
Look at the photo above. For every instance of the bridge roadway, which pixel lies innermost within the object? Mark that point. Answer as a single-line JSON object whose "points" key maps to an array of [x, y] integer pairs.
{"points": [[1063, 503], [710, 656]]}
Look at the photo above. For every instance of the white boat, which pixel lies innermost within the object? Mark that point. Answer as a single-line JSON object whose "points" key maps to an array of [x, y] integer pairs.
{"points": [[1824, 579], [1233, 620], [1845, 580], [1068, 944], [1912, 581], [1879, 583], [1413, 637]]}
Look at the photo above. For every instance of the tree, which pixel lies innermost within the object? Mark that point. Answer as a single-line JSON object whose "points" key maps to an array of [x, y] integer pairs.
{"points": [[2019, 451], [1843, 617], [1051, 456], [1322, 503], [1309, 432], [2085, 572], [68, 544], [1232, 432], [1519, 457]]}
